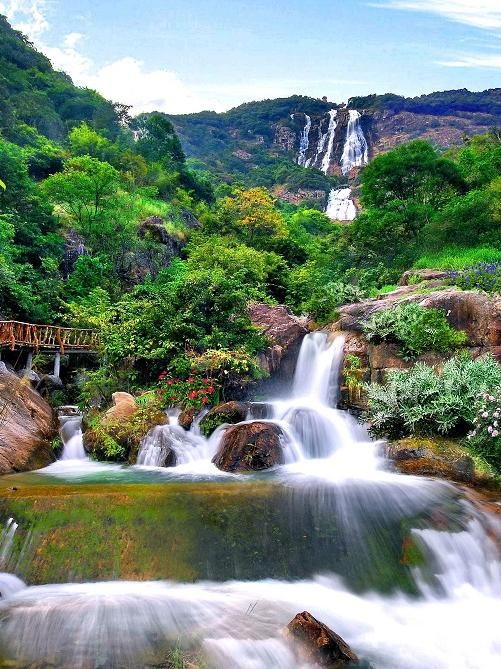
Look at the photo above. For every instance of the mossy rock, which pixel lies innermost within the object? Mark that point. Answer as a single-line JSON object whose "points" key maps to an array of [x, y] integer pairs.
{"points": [[439, 457]]}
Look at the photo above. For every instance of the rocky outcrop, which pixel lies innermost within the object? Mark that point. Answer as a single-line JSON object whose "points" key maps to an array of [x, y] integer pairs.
{"points": [[228, 412], [27, 426], [317, 645], [285, 333], [477, 314], [250, 447], [124, 407]]}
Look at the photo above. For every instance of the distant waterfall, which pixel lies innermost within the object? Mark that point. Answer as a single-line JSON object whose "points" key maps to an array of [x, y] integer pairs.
{"points": [[331, 131], [340, 206], [356, 150], [304, 142]]}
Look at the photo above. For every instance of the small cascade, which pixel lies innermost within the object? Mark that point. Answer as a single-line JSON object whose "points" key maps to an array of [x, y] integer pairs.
{"points": [[171, 445], [7, 541], [317, 369], [356, 150], [70, 431], [331, 131], [340, 206], [304, 142]]}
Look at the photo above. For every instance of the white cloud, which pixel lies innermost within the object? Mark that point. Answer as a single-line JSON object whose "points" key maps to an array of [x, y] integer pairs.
{"points": [[492, 61], [28, 16], [479, 13]]}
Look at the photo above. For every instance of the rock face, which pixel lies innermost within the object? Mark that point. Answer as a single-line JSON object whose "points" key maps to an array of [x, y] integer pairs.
{"points": [[124, 406], [228, 412], [318, 645], [27, 426], [250, 447], [285, 333]]}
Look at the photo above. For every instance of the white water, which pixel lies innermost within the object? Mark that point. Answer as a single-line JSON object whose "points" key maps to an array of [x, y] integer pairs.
{"points": [[356, 150], [340, 206], [334, 468], [71, 435], [331, 131], [304, 141]]}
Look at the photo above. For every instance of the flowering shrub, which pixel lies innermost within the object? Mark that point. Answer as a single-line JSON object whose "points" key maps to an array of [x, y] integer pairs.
{"points": [[425, 401], [481, 276], [486, 434], [193, 391]]}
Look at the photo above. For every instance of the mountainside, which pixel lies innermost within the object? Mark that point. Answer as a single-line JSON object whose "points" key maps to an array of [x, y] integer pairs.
{"points": [[314, 133]]}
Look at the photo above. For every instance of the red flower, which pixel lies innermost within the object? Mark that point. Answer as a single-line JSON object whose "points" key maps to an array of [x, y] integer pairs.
{"points": [[193, 395], [205, 380], [170, 382], [190, 379], [205, 400], [210, 389]]}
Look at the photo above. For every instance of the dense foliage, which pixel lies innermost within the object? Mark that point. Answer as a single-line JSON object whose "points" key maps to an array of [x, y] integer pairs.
{"points": [[414, 328], [486, 434]]}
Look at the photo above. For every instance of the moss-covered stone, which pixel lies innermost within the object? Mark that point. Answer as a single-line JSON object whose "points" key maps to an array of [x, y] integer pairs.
{"points": [[228, 412]]}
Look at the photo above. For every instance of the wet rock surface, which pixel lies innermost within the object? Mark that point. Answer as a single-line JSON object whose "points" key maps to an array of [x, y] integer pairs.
{"points": [[317, 644], [250, 447], [186, 418], [27, 426]]}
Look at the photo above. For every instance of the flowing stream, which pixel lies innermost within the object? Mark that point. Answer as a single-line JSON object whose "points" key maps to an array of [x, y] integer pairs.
{"points": [[406, 569]]}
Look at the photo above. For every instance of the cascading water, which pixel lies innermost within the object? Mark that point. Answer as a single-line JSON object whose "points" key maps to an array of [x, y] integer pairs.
{"points": [[71, 435], [356, 150], [340, 206], [331, 132], [348, 517], [304, 141]]}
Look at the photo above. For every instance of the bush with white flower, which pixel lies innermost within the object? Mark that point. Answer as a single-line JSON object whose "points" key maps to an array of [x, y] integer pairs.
{"points": [[486, 434]]}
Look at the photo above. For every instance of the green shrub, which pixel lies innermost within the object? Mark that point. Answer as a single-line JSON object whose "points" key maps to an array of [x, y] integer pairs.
{"points": [[424, 401], [415, 328], [485, 437]]}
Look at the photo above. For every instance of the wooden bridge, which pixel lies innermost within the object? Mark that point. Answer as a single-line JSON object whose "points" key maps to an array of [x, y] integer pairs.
{"points": [[16, 335]]}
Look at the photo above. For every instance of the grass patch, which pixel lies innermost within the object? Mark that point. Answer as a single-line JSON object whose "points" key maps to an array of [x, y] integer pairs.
{"points": [[456, 257]]}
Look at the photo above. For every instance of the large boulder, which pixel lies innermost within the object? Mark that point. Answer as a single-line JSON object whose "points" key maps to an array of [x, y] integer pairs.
{"points": [[284, 331], [124, 407], [250, 447], [27, 426], [318, 645], [186, 418], [227, 412]]}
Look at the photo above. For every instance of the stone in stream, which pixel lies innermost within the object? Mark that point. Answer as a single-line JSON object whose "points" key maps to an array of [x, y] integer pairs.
{"points": [[250, 447], [316, 644], [227, 412], [186, 418], [124, 406]]}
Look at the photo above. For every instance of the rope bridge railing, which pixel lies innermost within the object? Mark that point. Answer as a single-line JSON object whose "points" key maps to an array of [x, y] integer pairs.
{"points": [[50, 337]]}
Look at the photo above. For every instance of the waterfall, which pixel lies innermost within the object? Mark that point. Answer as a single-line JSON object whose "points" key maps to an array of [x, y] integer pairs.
{"points": [[7, 541], [331, 131], [304, 142], [340, 206], [356, 151], [70, 431]]}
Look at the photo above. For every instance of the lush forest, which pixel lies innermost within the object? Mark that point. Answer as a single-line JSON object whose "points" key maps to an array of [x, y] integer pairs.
{"points": [[104, 223]]}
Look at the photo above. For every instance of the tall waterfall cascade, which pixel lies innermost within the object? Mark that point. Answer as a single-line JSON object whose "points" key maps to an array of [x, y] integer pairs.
{"points": [[356, 150], [304, 141], [331, 132]]}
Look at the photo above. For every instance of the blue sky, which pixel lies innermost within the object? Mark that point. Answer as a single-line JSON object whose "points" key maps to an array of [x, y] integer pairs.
{"points": [[187, 55]]}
